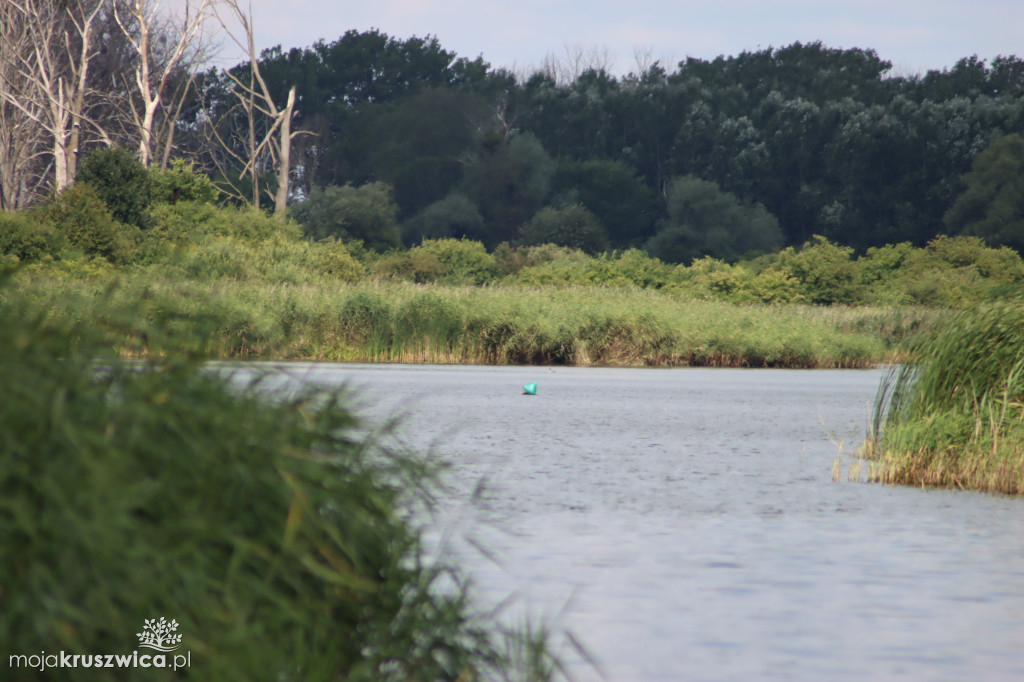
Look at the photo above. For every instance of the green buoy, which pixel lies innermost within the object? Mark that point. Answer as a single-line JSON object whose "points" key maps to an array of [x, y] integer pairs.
{"points": [[530, 389]]}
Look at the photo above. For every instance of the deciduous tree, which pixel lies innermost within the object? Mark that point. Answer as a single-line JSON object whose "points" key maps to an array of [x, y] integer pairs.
{"points": [[992, 206], [269, 133], [162, 50]]}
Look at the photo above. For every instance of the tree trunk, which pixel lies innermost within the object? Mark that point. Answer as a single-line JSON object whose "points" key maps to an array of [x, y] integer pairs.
{"points": [[284, 167]]}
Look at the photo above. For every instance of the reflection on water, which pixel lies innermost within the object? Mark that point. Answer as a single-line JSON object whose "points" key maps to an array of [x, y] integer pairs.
{"points": [[685, 526]]}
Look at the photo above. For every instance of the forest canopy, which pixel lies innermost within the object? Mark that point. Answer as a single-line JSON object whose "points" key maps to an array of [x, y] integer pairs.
{"points": [[726, 158]]}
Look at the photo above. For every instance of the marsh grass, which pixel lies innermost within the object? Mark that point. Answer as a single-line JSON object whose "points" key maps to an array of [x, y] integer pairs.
{"points": [[955, 418], [404, 322], [275, 531]]}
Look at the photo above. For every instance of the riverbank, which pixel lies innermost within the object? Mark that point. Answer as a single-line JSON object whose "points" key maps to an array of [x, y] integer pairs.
{"points": [[405, 322]]}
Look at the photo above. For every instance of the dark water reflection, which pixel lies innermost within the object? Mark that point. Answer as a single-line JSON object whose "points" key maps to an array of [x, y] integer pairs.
{"points": [[684, 523]]}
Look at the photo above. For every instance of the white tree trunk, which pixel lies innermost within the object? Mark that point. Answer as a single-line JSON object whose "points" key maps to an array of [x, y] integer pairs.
{"points": [[284, 161]]}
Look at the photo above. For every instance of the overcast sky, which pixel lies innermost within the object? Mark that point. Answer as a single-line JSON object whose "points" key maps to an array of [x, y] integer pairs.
{"points": [[915, 35]]}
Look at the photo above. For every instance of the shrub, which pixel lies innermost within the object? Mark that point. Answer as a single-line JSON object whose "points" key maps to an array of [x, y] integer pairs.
{"points": [[89, 226], [414, 266], [181, 182], [464, 261], [331, 258], [772, 286], [824, 270], [189, 223], [512, 259], [120, 181], [710, 278], [27, 238]]}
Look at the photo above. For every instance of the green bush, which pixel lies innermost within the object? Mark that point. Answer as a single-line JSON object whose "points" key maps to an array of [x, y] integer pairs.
{"points": [[27, 238], [824, 270], [513, 259], [181, 182], [464, 261], [332, 259], [88, 225], [419, 266], [120, 181], [951, 272]]}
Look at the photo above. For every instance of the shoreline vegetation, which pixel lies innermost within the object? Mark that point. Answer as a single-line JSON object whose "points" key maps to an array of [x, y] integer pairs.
{"points": [[181, 274], [443, 324], [954, 418], [283, 537]]}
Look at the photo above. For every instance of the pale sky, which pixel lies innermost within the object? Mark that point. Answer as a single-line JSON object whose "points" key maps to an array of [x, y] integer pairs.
{"points": [[915, 35]]}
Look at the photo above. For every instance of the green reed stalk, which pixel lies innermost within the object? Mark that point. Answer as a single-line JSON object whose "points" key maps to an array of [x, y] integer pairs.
{"points": [[481, 325], [956, 417]]}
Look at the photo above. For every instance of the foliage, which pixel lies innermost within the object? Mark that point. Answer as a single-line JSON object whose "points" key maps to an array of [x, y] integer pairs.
{"points": [[417, 145], [420, 267], [453, 216], [823, 269], [614, 193], [509, 179], [364, 213], [182, 182], [512, 259], [464, 261], [572, 226], [617, 269], [992, 206], [952, 272], [191, 219], [705, 221], [28, 238], [120, 181], [453, 261], [270, 527], [87, 224]]}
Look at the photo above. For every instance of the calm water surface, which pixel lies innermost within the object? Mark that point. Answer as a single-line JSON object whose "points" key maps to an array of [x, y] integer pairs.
{"points": [[684, 524]]}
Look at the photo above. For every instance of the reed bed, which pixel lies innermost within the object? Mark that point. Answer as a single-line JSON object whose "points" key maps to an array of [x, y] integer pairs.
{"points": [[404, 322], [955, 417], [282, 535]]}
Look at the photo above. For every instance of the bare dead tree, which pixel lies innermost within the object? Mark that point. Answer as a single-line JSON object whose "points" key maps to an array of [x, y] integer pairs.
{"points": [[161, 51], [274, 145], [21, 139], [46, 79], [575, 61]]}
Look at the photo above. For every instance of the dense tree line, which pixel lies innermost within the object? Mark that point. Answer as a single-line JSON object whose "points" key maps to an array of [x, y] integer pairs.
{"points": [[720, 157], [390, 141]]}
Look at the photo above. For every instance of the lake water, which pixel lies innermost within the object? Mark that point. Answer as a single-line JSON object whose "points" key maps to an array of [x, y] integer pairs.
{"points": [[684, 524]]}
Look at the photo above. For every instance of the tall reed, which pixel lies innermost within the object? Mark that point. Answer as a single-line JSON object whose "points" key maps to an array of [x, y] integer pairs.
{"points": [[279, 536], [404, 322], [955, 418]]}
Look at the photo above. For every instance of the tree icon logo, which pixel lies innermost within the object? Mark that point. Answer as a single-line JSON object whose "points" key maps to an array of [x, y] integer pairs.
{"points": [[160, 635]]}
